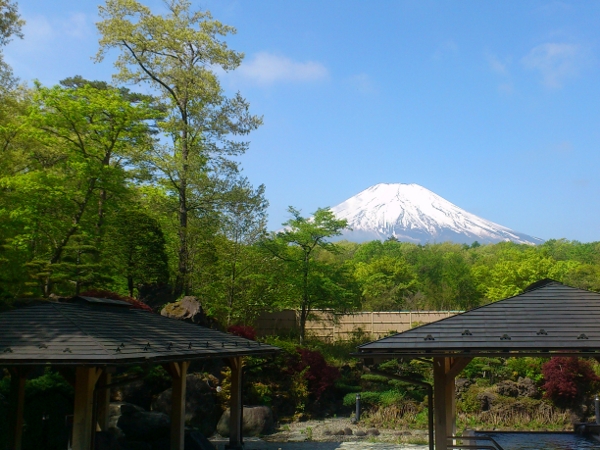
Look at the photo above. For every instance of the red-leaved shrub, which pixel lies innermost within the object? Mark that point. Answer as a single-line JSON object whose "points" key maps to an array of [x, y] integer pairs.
{"points": [[320, 375], [99, 293], [568, 380], [244, 331]]}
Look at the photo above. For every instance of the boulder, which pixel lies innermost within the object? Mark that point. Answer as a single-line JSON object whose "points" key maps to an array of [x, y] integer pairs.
{"points": [[137, 392], [462, 385], [258, 420], [133, 423], [189, 309], [527, 388], [508, 388], [486, 400], [201, 408]]}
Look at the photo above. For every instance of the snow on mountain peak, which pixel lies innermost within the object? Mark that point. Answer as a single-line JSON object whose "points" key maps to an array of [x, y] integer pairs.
{"points": [[413, 213]]}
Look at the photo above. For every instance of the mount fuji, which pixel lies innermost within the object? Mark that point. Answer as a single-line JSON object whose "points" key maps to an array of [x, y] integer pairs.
{"points": [[410, 212]]}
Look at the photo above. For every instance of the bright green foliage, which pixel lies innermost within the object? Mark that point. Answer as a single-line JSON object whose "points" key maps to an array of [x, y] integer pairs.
{"points": [[177, 54], [385, 282], [316, 285]]}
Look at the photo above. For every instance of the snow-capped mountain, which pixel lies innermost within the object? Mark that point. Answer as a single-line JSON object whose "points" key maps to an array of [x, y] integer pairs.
{"points": [[415, 214]]}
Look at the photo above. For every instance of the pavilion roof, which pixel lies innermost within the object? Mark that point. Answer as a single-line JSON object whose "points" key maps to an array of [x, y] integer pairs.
{"points": [[548, 318], [108, 332]]}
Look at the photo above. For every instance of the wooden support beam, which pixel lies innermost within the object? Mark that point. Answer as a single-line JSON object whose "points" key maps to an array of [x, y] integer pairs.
{"points": [[83, 411], [103, 400], [235, 407], [16, 407], [178, 372], [457, 365], [445, 371]]}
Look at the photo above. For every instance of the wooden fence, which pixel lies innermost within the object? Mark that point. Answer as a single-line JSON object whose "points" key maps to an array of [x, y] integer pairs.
{"points": [[330, 326]]}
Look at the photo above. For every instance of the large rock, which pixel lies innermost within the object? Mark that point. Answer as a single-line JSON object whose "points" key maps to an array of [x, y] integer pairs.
{"points": [[527, 388], [508, 388], [201, 408], [133, 423], [258, 420], [139, 392], [188, 309]]}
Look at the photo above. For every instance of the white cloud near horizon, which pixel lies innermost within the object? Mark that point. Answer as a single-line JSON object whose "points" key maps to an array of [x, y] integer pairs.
{"points": [[268, 68], [556, 62]]}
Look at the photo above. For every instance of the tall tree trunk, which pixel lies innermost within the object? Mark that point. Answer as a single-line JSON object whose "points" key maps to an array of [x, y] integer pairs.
{"points": [[232, 281], [182, 282]]}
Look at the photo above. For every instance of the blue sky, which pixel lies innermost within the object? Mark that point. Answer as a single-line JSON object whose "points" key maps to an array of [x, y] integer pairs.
{"points": [[493, 105]]}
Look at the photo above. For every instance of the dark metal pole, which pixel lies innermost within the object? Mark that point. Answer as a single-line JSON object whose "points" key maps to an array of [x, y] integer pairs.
{"points": [[357, 415], [429, 397], [597, 404]]}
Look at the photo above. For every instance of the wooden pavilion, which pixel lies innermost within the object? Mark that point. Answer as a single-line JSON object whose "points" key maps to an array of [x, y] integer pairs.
{"points": [[89, 337], [548, 319]]}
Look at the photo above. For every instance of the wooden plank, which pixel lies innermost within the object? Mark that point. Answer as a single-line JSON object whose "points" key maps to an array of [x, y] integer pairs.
{"points": [[16, 407], [103, 400], [440, 402], [85, 381], [235, 407], [178, 371]]}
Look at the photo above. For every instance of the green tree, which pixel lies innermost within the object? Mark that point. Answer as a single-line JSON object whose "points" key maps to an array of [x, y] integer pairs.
{"points": [[10, 25], [243, 224], [385, 282], [298, 245], [88, 140], [176, 54]]}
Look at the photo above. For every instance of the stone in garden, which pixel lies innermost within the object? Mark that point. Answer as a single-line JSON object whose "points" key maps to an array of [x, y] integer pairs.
{"points": [[373, 432], [133, 423], [486, 400], [527, 388], [360, 433], [258, 420], [508, 388], [188, 309], [339, 433], [348, 431]]}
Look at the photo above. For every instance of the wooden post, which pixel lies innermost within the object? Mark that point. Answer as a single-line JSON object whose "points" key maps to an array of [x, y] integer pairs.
{"points": [[103, 400], [178, 372], [445, 371], [16, 407], [440, 407], [235, 407], [85, 382]]}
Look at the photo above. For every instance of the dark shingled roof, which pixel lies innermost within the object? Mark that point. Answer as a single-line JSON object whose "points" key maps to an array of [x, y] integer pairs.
{"points": [[547, 318], [106, 332]]}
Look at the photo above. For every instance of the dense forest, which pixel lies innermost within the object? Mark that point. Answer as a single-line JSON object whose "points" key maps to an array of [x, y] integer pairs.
{"points": [[135, 187]]}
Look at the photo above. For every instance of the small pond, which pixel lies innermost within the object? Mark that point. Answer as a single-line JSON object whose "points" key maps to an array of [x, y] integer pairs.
{"points": [[543, 441]]}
